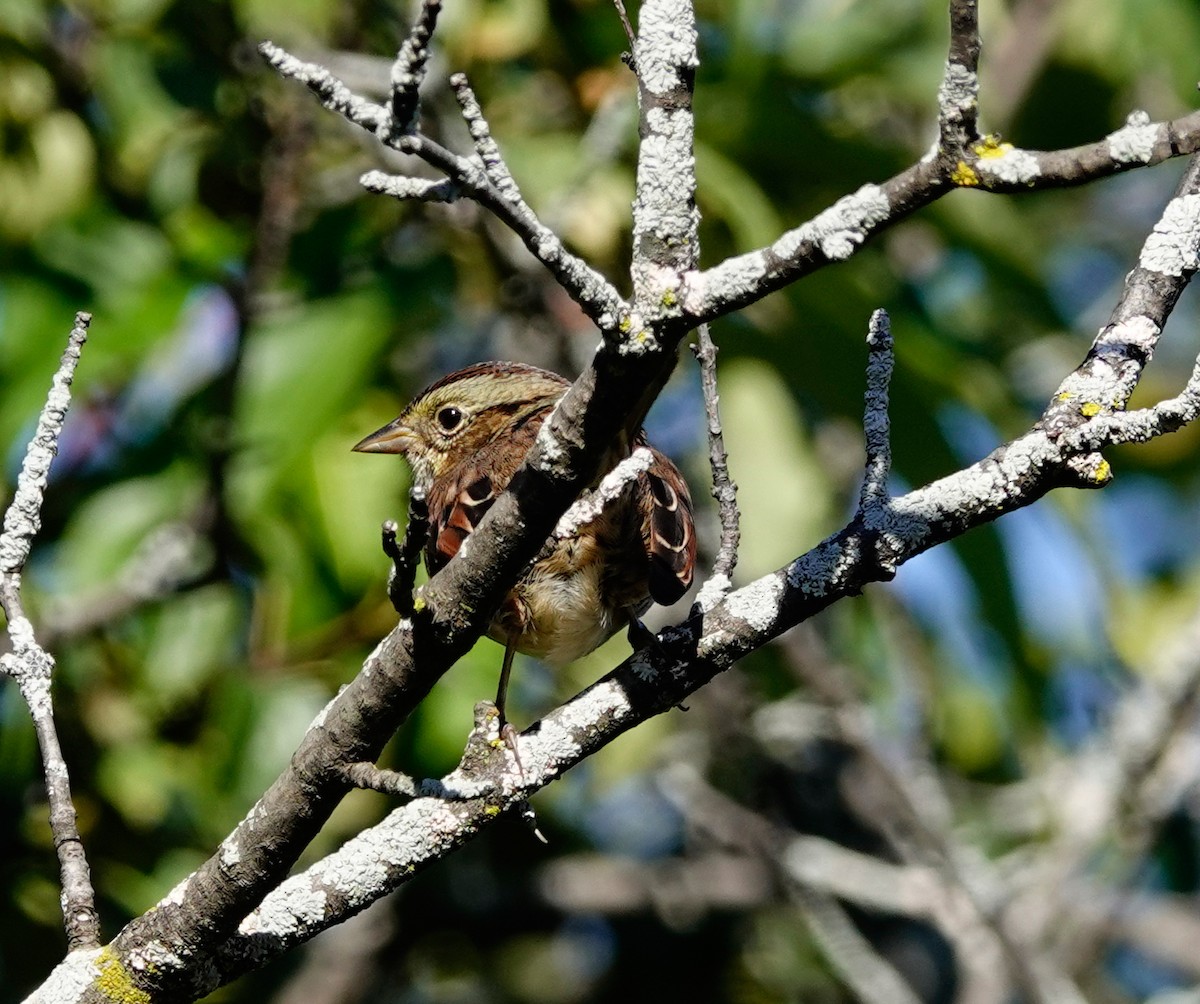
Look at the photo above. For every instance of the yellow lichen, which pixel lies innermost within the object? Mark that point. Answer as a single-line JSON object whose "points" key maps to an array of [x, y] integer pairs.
{"points": [[1102, 472], [964, 174], [1063, 396], [491, 810], [115, 981], [1089, 409], [992, 146], [418, 604], [626, 325], [668, 298]]}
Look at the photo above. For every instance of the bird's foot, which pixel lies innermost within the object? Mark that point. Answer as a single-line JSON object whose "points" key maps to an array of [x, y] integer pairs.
{"points": [[510, 735], [639, 635]]}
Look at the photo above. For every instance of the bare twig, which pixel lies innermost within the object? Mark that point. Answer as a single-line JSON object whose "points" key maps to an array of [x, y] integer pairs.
{"points": [[724, 490], [880, 359], [624, 16], [29, 664]]}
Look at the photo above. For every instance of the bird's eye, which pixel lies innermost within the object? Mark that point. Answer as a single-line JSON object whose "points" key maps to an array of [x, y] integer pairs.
{"points": [[449, 418]]}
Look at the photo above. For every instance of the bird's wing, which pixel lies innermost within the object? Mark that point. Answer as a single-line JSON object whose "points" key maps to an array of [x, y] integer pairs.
{"points": [[456, 505], [668, 530]]}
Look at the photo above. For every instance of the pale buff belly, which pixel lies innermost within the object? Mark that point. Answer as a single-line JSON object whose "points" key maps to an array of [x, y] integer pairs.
{"points": [[558, 618], [574, 600]]}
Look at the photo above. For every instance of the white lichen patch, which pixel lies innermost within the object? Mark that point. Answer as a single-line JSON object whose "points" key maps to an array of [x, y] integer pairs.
{"points": [[418, 832], [666, 45], [71, 977], [712, 592], [1134, 142], [612, 486], [823, 569], [959, 88], [1140, 332], [154, 956], [1174, 246], [20, 629], [840, 229], [733, 279], [1008, 164], [606, 699], [552, 456], [758, 603], [666, 178], [297, 905], [231, 855]]}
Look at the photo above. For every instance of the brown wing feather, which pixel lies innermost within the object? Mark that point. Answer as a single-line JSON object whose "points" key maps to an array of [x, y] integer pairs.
{"points": [[668, 530], [456, 505]]}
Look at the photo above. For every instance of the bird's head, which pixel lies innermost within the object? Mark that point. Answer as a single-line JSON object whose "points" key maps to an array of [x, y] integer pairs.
{"points": [[458, 415]]}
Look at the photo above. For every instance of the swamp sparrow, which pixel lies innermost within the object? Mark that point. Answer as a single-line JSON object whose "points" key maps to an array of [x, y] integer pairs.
{"points": [[465, 436]]}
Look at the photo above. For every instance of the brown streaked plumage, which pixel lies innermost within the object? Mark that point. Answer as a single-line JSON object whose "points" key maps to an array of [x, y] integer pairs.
{"points": [[465, 436]]}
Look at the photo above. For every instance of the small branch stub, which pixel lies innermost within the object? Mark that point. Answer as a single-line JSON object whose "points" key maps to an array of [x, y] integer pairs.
{"points": [[876, 425], [406, 556]]}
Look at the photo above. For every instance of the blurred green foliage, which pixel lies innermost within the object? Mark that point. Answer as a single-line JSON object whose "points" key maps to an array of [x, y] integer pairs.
{"points": [[209, 572]]}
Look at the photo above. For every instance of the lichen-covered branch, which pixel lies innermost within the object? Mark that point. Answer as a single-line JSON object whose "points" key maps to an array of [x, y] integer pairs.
{"points": [[665, 217], [408, 71], [958, 97], [988, 165], [29, 664], [464, 177]]}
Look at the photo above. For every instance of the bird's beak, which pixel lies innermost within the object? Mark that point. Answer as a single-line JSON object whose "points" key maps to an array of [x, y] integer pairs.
{"points": [[395, 437]]}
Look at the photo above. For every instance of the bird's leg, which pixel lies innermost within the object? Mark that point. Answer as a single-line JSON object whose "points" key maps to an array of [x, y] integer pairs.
{"points": [[507, 732]]}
